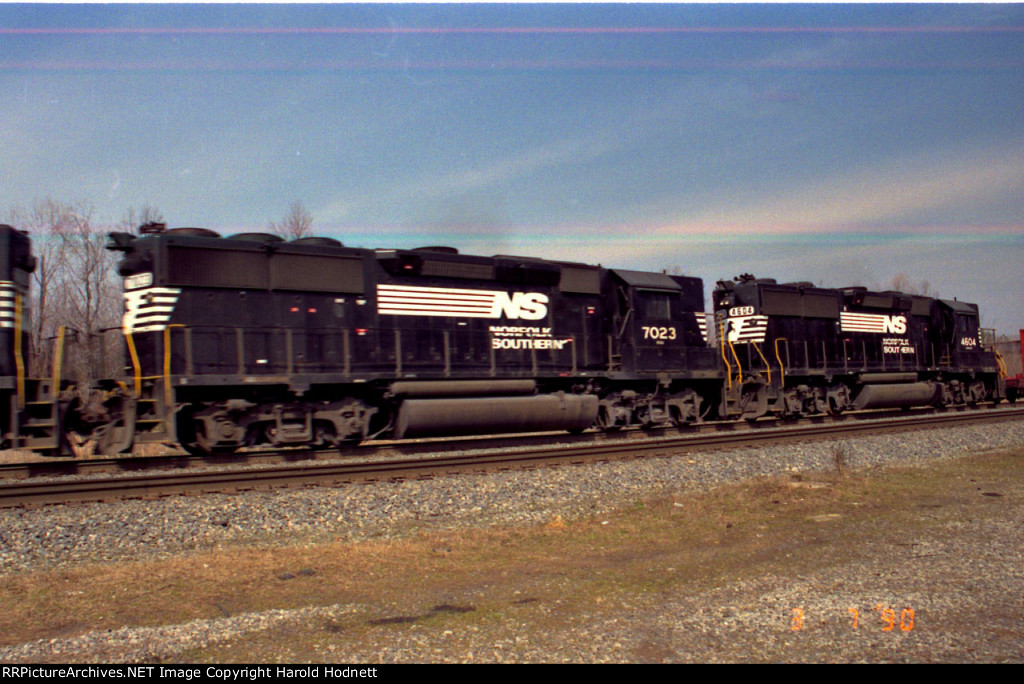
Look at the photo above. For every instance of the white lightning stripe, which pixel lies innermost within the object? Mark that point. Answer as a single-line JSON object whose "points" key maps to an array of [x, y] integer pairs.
{"points": [[175, 291], [150, 309], [8, 291], [412, 306], [436, 312], [436, 295], [858, 322], [426, 306], [702, 324], [439, 290], [435, 300], [399, 300]]}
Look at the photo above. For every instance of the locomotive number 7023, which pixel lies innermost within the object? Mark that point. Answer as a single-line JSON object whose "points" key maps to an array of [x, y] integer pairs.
{"points": [[659, 333]]}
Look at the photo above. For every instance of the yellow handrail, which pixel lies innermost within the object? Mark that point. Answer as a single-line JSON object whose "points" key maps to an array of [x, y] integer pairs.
{"points": [[19, 359], [725, 359], [766, 364], [168, 395], [136, 369], [58, 359], [782, 369], [1003, 372], [739, 368]]}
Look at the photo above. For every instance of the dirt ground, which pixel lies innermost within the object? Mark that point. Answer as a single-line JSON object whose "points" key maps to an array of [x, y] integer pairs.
{"points": [[919, 564]]}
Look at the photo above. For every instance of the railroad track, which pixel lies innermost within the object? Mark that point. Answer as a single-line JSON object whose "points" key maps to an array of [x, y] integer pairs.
{"points": [[50, 467], [117, 487]]}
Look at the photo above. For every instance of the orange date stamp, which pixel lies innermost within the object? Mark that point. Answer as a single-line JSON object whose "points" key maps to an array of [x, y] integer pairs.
{"points": [[886, 615]]}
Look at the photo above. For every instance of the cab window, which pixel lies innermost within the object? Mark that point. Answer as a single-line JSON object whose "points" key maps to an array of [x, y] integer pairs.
{"points": [[654, 304]]}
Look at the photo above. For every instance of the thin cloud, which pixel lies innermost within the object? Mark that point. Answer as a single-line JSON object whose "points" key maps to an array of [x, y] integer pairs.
{"points": [[504, 170], [897, 193]]}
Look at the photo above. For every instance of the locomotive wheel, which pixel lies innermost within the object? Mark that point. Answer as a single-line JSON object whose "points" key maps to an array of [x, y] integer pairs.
{"points": [[645, 418], [351, 419], [605, 421], [190, 438], [100, 427], [205, 447], [816, 403], [115, 438], [976, 393], [684, 408], [838, 399], [324, 437], [196, 450], [198, 446]]}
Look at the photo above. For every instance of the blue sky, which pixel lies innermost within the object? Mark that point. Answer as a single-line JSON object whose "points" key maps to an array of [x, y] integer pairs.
{"points": [[837, 144]]}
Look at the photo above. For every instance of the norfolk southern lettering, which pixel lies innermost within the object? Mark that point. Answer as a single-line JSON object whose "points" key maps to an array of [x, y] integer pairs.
{"points": [[523, 337]]}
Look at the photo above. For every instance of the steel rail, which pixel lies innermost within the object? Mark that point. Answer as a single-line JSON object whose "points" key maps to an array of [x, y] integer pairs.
{"points": [[50, 467]]}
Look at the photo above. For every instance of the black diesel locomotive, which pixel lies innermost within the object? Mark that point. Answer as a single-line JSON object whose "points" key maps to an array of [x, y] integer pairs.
{"points": [[795, 349], [246, 340]]}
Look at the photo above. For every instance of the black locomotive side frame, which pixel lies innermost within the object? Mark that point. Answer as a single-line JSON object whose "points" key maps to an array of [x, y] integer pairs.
{"points": [[247, 340], [795, 349]]}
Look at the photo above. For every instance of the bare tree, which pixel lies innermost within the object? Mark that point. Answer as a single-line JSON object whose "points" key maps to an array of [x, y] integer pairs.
{"points": [[901, 283], [94, 292], [74, 284], [296, 223], [134, 218], [45, 222]]}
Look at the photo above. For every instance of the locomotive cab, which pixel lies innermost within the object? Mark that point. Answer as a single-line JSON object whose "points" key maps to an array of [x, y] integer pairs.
{"points": [[658, 323], [657, 350], [956, 333]]}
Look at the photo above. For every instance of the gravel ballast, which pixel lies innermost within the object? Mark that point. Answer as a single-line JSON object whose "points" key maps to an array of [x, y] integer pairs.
{"points": [[55, 536]]}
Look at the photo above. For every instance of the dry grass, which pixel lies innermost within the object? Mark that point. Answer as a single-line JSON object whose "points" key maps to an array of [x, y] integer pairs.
{"points": [[19, 456], [436, 578], [23, 456]]}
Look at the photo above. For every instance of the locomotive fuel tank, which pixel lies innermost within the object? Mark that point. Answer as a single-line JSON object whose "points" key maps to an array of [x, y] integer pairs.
{"points": [[495, 415]]}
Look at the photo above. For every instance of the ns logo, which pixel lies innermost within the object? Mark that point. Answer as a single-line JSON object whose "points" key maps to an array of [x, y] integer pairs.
{"points": [[894, 324], [529, 306]]}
